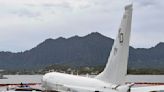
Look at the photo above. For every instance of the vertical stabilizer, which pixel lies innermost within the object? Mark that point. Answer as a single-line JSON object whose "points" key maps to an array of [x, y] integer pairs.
{"points": [[116, 69]]}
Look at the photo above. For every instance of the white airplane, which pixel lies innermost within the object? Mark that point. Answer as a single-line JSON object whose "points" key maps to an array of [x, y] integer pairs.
{"points": [[112, 79]]}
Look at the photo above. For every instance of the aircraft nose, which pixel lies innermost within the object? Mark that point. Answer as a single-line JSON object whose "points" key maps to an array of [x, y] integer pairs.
{"points": [[46, 76], [44, 80]]}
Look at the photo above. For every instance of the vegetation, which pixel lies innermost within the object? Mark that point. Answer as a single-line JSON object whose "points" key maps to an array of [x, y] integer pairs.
{"points": [[146, 71], [93, 70]]}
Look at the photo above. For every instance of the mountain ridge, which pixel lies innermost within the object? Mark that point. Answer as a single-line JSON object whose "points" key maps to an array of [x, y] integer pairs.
{"points": [[90, 50]]}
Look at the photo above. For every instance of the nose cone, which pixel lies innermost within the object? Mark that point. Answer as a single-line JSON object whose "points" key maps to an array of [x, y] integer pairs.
{"points": [[44, 80], [46, 76], [44, 83], [47, 81]]}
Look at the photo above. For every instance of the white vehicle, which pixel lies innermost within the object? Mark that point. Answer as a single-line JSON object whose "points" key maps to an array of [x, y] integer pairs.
{"points": [[112, 79]]}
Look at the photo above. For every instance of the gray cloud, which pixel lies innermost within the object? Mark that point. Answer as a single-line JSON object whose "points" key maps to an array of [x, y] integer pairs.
{"points": [[25, 13], [146, 3], [63, 5], [69, 18]]}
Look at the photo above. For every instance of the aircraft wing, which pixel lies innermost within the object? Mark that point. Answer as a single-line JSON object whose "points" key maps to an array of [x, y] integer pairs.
{"points": [[148, 89], [89, 89], [80, 89], [136, 89]]}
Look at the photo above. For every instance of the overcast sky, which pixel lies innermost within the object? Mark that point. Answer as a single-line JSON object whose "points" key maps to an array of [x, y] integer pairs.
{"points": [[26, 23]]}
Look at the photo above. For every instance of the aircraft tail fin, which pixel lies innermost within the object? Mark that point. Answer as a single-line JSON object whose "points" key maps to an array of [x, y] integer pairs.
{"points": [[116, 68]]}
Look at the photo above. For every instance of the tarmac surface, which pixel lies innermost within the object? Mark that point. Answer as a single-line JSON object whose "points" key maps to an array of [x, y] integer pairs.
{"points": [[35, 80]]}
